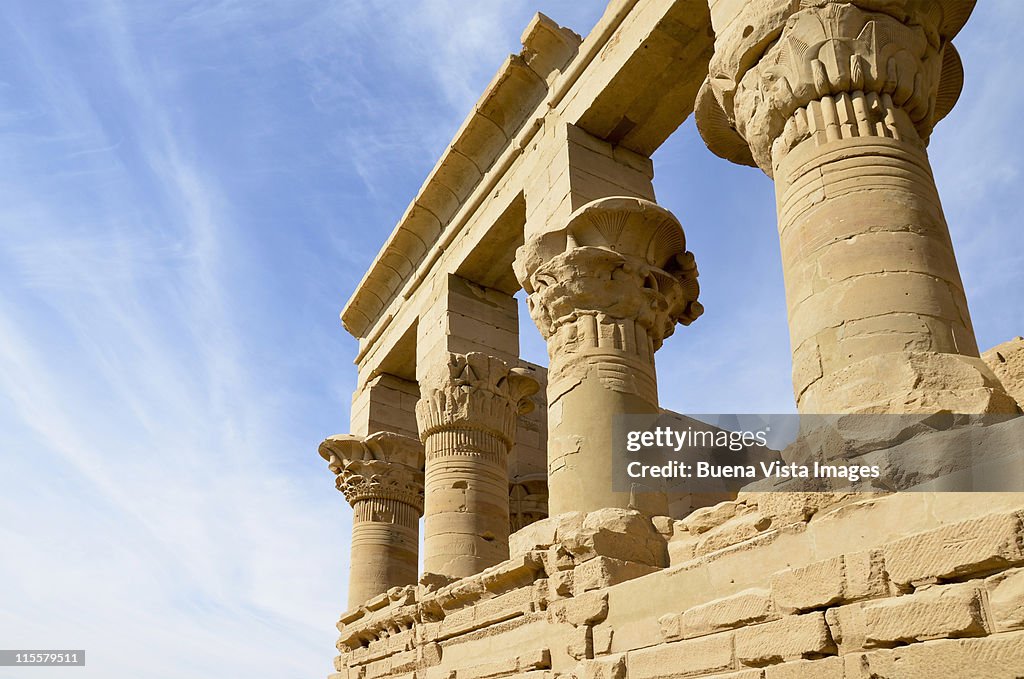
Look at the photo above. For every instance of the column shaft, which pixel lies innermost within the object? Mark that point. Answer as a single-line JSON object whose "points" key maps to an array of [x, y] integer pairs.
{"points": [[381, 476], [600, 367], [385, 548], [872, 282], [467, 420], [838, 108], [466, 502]]}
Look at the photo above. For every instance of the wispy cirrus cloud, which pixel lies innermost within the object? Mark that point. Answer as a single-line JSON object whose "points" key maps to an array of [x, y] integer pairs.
{"points": [[152, 518], [183, 209]]}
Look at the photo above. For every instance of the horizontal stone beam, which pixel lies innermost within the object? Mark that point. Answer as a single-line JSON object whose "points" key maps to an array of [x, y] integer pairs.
{"points": [[631, 83]]}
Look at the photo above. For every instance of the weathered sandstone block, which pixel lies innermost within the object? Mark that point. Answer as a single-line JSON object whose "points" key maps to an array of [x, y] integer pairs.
{"points": [[736, 530], [932, 613], [603, 668], [622, 534], [692, 658], [704, 519], [998, 657], [825, 668], [745, 608], [603, 571], [790, 638], [585, 609], [1006, 599], [823, 583], [961, 549]]}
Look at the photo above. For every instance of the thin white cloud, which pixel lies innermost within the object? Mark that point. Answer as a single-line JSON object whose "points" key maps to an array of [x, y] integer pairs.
{"points": [[169, 548]]}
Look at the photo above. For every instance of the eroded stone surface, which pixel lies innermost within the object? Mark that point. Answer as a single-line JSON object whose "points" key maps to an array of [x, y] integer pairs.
{"points": [[1007, 362]]}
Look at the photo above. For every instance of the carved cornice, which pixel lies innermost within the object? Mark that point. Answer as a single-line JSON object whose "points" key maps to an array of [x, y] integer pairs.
{"points": [[384, 466], [830, 70], [474, 392], [617, 259]]}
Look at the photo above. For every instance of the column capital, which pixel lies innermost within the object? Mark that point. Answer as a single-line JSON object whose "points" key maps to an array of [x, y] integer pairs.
{"points": [[474, 391], [383, 465], [784, 72], [616, 258]]}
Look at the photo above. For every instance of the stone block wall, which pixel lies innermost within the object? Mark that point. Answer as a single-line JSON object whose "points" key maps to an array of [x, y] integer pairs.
{"points": [[763, 587]]}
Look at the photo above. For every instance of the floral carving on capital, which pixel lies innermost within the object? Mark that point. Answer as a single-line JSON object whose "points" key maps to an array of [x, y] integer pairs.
{"points": [[879, 68], [474, 391], [617, 260], [383, 465]]}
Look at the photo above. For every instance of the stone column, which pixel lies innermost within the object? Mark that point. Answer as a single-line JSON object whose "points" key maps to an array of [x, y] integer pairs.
{"points": [[467, 419], [837, 102], [605, 291], [382, 478]]}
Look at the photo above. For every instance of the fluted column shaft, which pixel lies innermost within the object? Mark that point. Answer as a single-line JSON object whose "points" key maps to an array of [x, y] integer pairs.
{"points": [[604, 291], [838, 110], [381, 478], [467, 418]]}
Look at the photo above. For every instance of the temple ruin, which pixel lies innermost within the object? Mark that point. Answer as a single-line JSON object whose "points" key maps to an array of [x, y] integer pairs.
{"points": [[533, 566]]}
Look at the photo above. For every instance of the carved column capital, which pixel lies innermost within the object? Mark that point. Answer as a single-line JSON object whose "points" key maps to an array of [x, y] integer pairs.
{"points": [[474, 392], [382, 466], [785, 72], [606, 290], [617, 259]]}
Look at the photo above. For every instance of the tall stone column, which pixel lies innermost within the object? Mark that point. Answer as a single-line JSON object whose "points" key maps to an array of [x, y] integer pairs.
{"points": [[605, 291], [836, 101], [382, 478], [467, 419]]}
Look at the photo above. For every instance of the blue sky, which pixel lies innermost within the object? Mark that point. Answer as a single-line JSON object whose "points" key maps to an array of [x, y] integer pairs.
{"points": [[189, 192]]}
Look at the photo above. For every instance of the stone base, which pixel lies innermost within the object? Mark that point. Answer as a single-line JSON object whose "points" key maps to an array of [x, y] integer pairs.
{"points": [[770, 586]]}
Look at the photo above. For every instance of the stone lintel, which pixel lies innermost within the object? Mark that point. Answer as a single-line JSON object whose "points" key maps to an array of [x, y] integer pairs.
{"points": [[600, 90]]}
